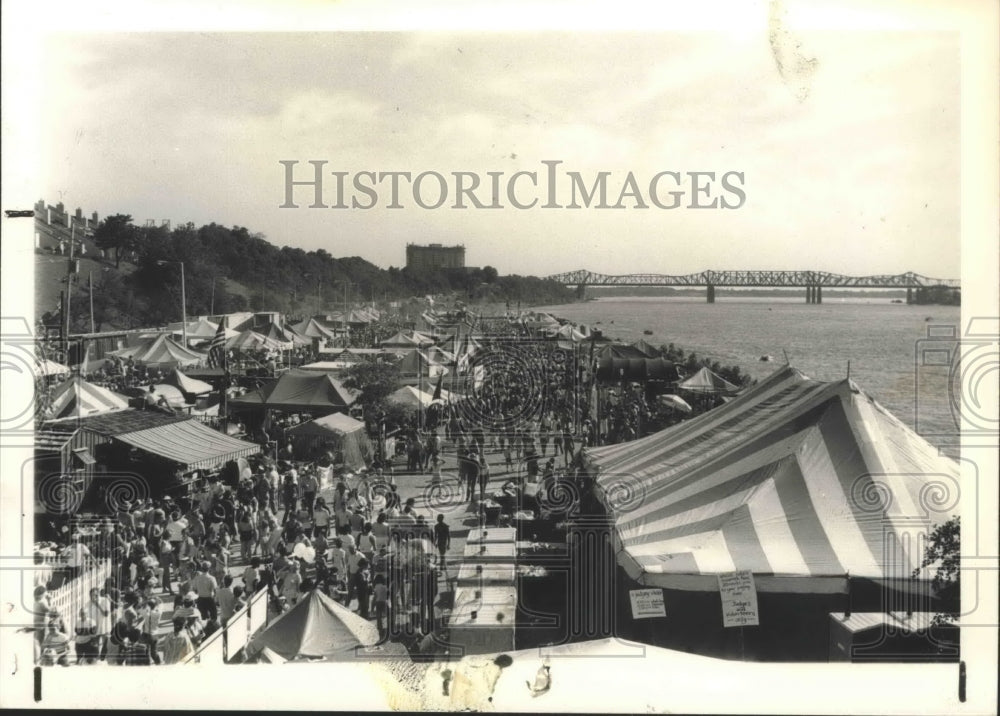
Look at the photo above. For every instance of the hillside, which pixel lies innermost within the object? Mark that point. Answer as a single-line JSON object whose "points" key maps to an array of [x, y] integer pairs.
{"points": [[231, 269]]}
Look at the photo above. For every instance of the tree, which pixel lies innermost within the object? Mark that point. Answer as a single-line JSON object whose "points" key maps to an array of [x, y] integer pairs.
{"points": [[944, 552], [376, 381], [118, 233], [490, 274]]}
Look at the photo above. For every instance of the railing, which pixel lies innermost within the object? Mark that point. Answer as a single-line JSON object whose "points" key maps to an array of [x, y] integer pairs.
{"points": [[68, 598], [225, 644]]}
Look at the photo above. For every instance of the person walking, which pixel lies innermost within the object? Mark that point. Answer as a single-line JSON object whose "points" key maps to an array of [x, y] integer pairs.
{"points": [[442, 539]]}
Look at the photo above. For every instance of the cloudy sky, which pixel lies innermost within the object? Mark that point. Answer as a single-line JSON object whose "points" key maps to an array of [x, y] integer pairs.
{"points": [[848, 142]]}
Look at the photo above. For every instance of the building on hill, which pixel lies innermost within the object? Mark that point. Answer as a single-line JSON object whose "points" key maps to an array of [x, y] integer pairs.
{"points": [[434, 256]]}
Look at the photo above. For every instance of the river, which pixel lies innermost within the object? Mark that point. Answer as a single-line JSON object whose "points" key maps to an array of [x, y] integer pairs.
{"points": [[887, 345]]}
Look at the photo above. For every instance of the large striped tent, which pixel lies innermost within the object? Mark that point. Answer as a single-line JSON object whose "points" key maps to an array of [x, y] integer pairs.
{"points": [[806, 484], [76, 398]]}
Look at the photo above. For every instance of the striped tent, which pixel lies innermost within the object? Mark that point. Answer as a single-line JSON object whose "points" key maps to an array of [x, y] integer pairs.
{"points": [[805, 483], [76, 398]]}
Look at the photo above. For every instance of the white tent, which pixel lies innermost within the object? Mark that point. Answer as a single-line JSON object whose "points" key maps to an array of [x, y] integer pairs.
{"points": [[76, 398], [800, 482]]}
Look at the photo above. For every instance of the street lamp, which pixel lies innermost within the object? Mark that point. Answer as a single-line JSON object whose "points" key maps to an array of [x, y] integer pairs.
{"points": [[184, 325]]}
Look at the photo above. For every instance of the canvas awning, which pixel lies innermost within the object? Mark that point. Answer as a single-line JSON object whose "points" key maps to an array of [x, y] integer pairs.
{"points": [[190, 444], [799, 481]]}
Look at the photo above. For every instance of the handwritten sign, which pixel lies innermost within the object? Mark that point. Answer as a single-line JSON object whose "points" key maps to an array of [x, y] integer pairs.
{"points": [[647, 603], [739, 599]]}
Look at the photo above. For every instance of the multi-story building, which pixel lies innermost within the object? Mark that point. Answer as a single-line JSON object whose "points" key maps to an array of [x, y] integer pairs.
{"points": [[434, 256]]}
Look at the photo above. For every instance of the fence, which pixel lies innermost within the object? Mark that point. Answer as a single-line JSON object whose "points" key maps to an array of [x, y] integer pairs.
{"points": [[68, 598], [225, 644]]}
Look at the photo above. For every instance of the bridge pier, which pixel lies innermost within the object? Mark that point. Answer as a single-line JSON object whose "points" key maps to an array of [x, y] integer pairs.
{"points": [[909, 296], [819, 294], [809, 294], [711, 293]]}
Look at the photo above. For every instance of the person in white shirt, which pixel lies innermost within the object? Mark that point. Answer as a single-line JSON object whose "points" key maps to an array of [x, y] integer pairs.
{"points": [[99, 612], [77, 556]]}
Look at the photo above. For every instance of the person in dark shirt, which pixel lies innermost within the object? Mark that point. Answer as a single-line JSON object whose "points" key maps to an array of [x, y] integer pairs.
{"points": [[442, 538]]}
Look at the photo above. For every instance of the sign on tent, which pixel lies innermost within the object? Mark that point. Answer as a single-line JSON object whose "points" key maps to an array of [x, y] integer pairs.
{"points": [[647, 603], [739, 599]]}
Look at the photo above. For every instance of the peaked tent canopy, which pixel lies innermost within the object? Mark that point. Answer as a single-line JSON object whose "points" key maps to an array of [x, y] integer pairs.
{"points": [[612, 369], [796, 480], [253, 340], [647, 349], [51, 369], [300, 390], [410, 397], [347, 435], [312, 328], [617, 350], [407, 339], [76, 398], [320, 628], [705, 381], [160, 351], [287, 336], [190, 386], [201, 328]]}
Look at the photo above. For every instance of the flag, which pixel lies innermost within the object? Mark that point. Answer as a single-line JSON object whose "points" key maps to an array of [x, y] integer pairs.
{"points": [[217, 348]]}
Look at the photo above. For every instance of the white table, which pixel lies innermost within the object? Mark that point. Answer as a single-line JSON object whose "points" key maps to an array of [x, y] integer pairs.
{"points": [[482, 621], [489, 552], [490, 575], [492, 534]]}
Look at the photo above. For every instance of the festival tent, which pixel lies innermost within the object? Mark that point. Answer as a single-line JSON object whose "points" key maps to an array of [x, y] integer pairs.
{"points": [[707, 382], [248, 340], [312, 328], [617, 350], [569, 332], [199, 329], [320, 628], [410, 397], [635, 369], [809, 485], [187, 385], [418, 363], [174, 397], [407, 339], [51, 369], [285, 336], [346, 434], [160, 351], [76, 398], [647, 349], [300, 390]]}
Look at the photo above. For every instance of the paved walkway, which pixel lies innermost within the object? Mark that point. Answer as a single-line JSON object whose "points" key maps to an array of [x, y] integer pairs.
{"points": [[430, 500]]}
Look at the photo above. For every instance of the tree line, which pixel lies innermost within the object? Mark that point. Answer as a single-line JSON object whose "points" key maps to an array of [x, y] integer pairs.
{"points": [[228, 269]]}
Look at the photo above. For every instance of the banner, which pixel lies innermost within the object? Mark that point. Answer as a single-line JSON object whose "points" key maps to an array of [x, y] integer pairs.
{"points": [[739, 599], [647, 603]]}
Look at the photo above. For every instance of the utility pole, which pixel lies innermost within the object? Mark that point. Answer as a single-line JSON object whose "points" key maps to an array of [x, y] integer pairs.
{"points": [[90, 280], [69, 287]]}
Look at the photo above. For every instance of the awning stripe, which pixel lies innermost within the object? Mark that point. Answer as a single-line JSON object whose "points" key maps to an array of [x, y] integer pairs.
{"points": [[191, 444]]}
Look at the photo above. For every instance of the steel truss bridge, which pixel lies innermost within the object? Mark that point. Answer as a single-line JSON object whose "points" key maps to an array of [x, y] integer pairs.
{"points": [[756, 279]]}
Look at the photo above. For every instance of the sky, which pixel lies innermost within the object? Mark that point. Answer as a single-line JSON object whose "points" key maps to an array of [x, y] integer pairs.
{"points": [[847, 142]]}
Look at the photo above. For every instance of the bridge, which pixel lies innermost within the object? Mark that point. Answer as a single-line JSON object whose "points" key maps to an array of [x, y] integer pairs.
{"points": [[813, 281]]}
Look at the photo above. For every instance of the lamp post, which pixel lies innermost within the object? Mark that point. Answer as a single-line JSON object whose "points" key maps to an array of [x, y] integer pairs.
{"points": [[184, 325]]}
